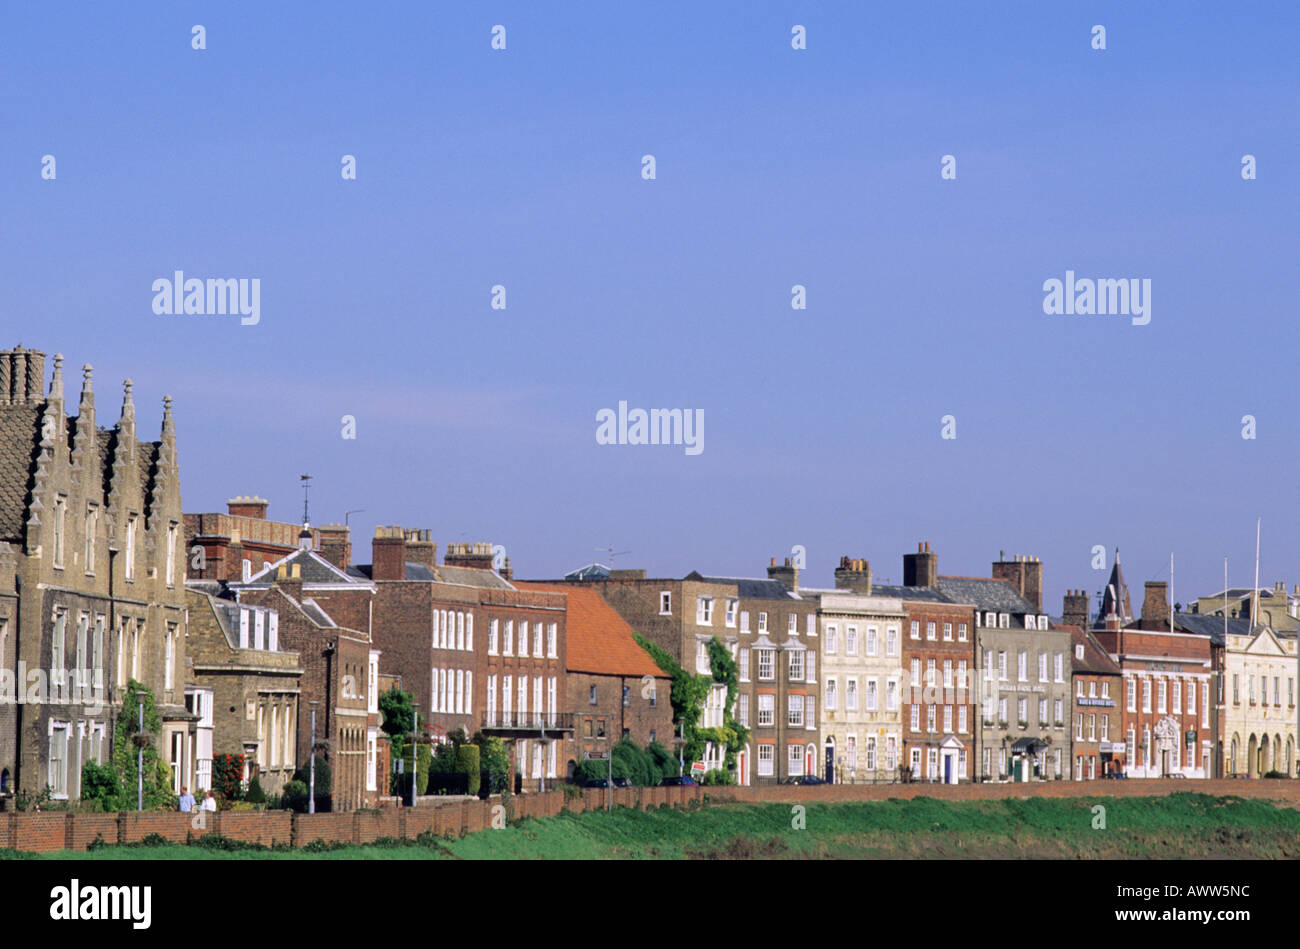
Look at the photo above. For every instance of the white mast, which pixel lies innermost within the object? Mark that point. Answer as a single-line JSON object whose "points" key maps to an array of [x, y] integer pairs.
{"points": [[1254, 606]]}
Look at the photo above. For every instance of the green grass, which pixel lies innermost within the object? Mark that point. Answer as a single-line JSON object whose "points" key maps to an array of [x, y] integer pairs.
{"points": [[1178, 825]]}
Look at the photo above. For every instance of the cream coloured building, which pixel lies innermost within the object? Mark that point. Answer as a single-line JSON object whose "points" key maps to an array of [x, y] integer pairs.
{"points": [[862, 685], [1259, 701]]}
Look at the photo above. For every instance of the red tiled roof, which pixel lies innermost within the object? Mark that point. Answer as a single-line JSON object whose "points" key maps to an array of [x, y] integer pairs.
{"points": [[598, 639]]}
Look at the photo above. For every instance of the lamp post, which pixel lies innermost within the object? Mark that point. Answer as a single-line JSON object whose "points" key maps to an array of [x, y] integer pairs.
{"points": [[311, 763], [415, 749], [139, 758]]}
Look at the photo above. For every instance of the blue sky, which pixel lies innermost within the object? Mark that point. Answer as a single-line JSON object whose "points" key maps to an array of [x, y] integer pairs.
{"points": [[775, 167]]}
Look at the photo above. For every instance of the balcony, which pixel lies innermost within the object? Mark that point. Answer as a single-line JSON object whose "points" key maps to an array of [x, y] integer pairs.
{"points": [[528, 724]]}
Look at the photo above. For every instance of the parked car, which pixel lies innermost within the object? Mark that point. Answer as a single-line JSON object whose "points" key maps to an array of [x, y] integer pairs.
{"points": [[622, 782], [806, 779], [596, 783], [685, 779]]}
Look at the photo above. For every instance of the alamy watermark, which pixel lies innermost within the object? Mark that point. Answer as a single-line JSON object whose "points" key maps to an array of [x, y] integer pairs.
{"points": [[212, 297], [1101, 297], [652, 427]]}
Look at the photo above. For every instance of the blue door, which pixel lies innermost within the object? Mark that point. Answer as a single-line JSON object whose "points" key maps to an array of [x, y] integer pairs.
{"points": [[947, 769], [830, 764]]}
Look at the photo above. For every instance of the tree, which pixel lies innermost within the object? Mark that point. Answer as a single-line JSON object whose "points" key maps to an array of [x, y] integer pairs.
{"points": [[127, 741], [99, 783], [398, 709]]}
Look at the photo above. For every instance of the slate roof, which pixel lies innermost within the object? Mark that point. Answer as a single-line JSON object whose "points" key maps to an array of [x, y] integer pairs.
{"points": [[987, 594], [748, 587], [464, 576], [1116, 599], [928, 594], [597, 639], [313, 567], [1095, 658], [19, 447], [1206, 624]]}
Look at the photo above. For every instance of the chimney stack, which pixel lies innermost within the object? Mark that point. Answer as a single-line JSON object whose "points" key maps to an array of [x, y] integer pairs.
{"points": [[476, 555], [336, 544], [920, 569], [22, 376], [1023, 573], [787, 574], [853, 574], [1074, 611], [388, 554], [420, 547], [248, 506], [1155, 605]]}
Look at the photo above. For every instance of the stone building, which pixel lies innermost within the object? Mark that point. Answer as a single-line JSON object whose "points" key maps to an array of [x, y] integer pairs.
{"points": [[862, 681], [91, 579]]}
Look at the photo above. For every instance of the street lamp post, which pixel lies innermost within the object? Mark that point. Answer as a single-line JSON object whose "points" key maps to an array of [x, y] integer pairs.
{"points": [[311, 763], [415, 749]]}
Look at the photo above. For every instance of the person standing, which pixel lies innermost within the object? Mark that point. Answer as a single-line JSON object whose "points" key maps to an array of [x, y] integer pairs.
{"points": [[209, 802], [186, 800]]}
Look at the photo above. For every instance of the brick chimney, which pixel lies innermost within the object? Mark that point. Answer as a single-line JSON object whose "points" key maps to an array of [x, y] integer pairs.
{"points": [[248, 506], [787, 574], [22, 376], [1074, 610], [336, 544], [627, 573], [1155, 605], [920, 569], [420, 547], [1023, 573], [853, 574], [478, 555], [388, 554]]}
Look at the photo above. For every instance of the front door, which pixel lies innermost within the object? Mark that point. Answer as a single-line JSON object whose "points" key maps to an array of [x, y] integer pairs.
{"points": [[947, 769], [830, 763]]}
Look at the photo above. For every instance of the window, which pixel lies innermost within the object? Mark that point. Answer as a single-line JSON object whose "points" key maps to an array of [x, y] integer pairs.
{"points": [[1002, 710], [732, 605], [1146, 695], [891, 695], [947, 719], [1060, 667], [810, 627], [929, 631], [916, 629], [762, 622], [851, 694], [988, 664], [591, 695], [79, 665], [1132, 694], [795, 711], [891, 753], [1177, 700], [1004, 620], [744, 621], [1022, 666], [169, 670], [829, 693], [1042, 713], [1022, 709], [92, 522], [1042, 623], [872, 633], [129, 566], [916, 673], [765, 670], [796, 761], [830, 640], [744, 664], [766, 709], [929, 718], [792, 624], [1078, 688], [916, 718], [961, 718], [171, 554], [1236, 689], [537, 640], [765, 756], [947, 674], [492, 699], [1092, 726], [523, 703], [796, 666], [1058, 707], [1078, 651], [523, 638], [60, 524], [1105, 727], [58, 660], [550, 640], [1042, 667], [492, 637], [704, 611], [963, 682], [929, 673], [810, 674], [1162, 697], [1029, 621], [59, 759], [851, 640], [743, 715], [1002, 664], [891, 641], [872, 704], [961, 632], [947, 632], [665, 603]]}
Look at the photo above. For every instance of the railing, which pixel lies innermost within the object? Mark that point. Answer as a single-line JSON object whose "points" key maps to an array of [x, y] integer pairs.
{"points": [[534, 721]]}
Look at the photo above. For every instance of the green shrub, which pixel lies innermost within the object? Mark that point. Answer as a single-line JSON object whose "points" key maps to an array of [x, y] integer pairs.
{"points": [[255, 794], [467, 761], [99, 784]]}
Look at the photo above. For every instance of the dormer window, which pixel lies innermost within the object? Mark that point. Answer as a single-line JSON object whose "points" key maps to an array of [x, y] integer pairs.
{"points": [[1004, 620], [1029, 621], [1078, 651], [1042, 622], [991, 620]]}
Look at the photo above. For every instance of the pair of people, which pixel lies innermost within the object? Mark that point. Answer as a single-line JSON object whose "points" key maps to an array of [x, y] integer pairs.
{"points": [[187, 800]]}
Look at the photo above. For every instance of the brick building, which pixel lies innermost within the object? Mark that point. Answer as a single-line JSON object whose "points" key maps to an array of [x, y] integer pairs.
{"points": [[1168, 681], [91, 578], [254, 681], [240, 542], [1097, 738], [613, 686]]}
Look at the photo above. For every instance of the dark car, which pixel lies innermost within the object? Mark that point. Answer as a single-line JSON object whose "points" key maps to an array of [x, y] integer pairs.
{"points": [[596, 783], [806, 779], [622, 782], [685, 779]]}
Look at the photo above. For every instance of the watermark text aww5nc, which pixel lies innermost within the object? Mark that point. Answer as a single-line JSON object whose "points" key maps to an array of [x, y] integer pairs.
{"points": [[653, 427], [1101, 297], [213, 297]]}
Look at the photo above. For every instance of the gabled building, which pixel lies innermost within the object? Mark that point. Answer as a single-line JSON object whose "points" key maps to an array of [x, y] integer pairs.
{"points": [[1097, 746], [91, 579]]}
